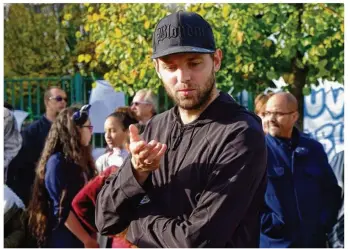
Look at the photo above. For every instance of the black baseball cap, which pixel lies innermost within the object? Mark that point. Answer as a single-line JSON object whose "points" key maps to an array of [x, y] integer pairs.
{"points": [[182, 32]]}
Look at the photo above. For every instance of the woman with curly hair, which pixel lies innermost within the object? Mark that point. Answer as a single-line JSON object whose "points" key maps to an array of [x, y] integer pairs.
{"points": [[65, 166]]}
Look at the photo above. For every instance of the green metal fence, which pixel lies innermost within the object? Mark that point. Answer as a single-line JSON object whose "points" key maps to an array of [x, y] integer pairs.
{"points": [[27, 94]]}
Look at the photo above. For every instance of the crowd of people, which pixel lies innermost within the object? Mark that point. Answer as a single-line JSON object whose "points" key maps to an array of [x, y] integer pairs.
{"points": [[206, 173]]}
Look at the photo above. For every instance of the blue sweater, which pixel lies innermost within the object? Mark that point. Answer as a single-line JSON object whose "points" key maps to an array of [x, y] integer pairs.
{"points": [[62, 178], [302, 196], [21, 172]]}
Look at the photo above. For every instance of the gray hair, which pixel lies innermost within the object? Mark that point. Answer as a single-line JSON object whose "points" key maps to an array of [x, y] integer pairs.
{"points": [[150, 97]]}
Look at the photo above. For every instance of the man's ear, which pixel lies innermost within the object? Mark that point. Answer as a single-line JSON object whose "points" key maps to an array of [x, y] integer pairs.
{"points": [[295, 116], [46, 102], [217, 59], [156, 66]]}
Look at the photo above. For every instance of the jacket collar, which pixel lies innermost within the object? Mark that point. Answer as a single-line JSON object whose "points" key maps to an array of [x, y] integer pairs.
{"points": [[45, 120], [295, 140]]}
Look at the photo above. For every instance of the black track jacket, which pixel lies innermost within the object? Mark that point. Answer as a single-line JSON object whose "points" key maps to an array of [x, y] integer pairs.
{"points": [[208, 191]]}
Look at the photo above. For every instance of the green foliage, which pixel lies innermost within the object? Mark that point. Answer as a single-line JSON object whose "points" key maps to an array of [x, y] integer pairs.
{"points": [[122, 34], [33, 44], [324, 43], [260, 42], [40, 40], [72, 21]]}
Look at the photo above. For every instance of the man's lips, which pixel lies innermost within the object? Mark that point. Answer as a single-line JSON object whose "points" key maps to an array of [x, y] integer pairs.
{"points": [[186, 90]]}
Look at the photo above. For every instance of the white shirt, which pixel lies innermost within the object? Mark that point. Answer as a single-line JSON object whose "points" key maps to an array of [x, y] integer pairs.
{"points": [[114, 158]]}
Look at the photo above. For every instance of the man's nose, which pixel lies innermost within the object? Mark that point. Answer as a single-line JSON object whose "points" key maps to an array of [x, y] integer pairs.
{"points": [[271, 119], [183, 75]]}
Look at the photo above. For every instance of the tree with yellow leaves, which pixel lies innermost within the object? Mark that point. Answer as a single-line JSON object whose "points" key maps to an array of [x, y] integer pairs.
{"points": [[261, 42]]}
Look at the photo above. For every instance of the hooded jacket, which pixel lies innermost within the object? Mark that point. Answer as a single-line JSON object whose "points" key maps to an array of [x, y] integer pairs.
{"points": [[208, 190], [302, 197]]}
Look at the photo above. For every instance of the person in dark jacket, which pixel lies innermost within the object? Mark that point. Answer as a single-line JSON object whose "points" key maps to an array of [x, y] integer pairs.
{"points": [[197, 176], [65, 166], [302, 196], [21, 171], [336, 237]]}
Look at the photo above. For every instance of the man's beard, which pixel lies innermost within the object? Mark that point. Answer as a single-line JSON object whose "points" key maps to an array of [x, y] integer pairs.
{"points": [[197, 101]]}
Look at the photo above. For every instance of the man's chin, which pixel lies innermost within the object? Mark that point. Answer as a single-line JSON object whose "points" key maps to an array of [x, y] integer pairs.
{"points": [[189, 106], [274, 133]]}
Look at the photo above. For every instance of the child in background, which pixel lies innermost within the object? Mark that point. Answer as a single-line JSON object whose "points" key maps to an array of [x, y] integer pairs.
{"points": [[117, 137]]}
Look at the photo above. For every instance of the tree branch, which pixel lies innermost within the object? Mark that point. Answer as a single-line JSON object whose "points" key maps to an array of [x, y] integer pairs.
{"points": [[326, 8]]}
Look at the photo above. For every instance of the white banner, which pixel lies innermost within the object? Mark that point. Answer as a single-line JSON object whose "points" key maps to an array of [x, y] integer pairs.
{"points": [[20, 117], [104, 100], [324, 116]]}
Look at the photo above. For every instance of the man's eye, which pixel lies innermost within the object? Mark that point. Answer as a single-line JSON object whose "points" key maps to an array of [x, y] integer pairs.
{"points": [[170, 68], [195, 63]]}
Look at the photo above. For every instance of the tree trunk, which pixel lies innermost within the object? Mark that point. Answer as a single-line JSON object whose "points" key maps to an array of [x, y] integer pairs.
{"points": [[297, 91], [300, 75]]}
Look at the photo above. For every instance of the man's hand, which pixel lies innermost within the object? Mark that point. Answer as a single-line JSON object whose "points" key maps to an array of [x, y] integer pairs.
{"points": [[145, 157]]}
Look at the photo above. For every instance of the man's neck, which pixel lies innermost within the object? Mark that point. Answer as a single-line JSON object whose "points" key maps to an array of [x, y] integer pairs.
{"points": [[145, 120], [188, 116], [285, 136], [50, 116]]}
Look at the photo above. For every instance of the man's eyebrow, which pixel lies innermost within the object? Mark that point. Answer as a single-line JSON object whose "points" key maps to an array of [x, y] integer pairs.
{"points": [[194, 58]]}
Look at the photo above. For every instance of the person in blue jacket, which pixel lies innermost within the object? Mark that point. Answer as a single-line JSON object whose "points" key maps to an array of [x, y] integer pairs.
{"points": [[302, 196], [21, 170], [65, 166]]}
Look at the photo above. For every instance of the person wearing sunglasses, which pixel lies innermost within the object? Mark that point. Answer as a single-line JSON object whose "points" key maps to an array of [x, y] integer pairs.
{"points": [[302, 197], [144, 105], [21, 171], [55, 101], [65, 166]]}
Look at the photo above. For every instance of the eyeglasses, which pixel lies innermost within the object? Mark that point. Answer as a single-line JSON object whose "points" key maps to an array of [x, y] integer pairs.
{"points": [[90, 127], [276, 114], [58, 98], [137, 103]]}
